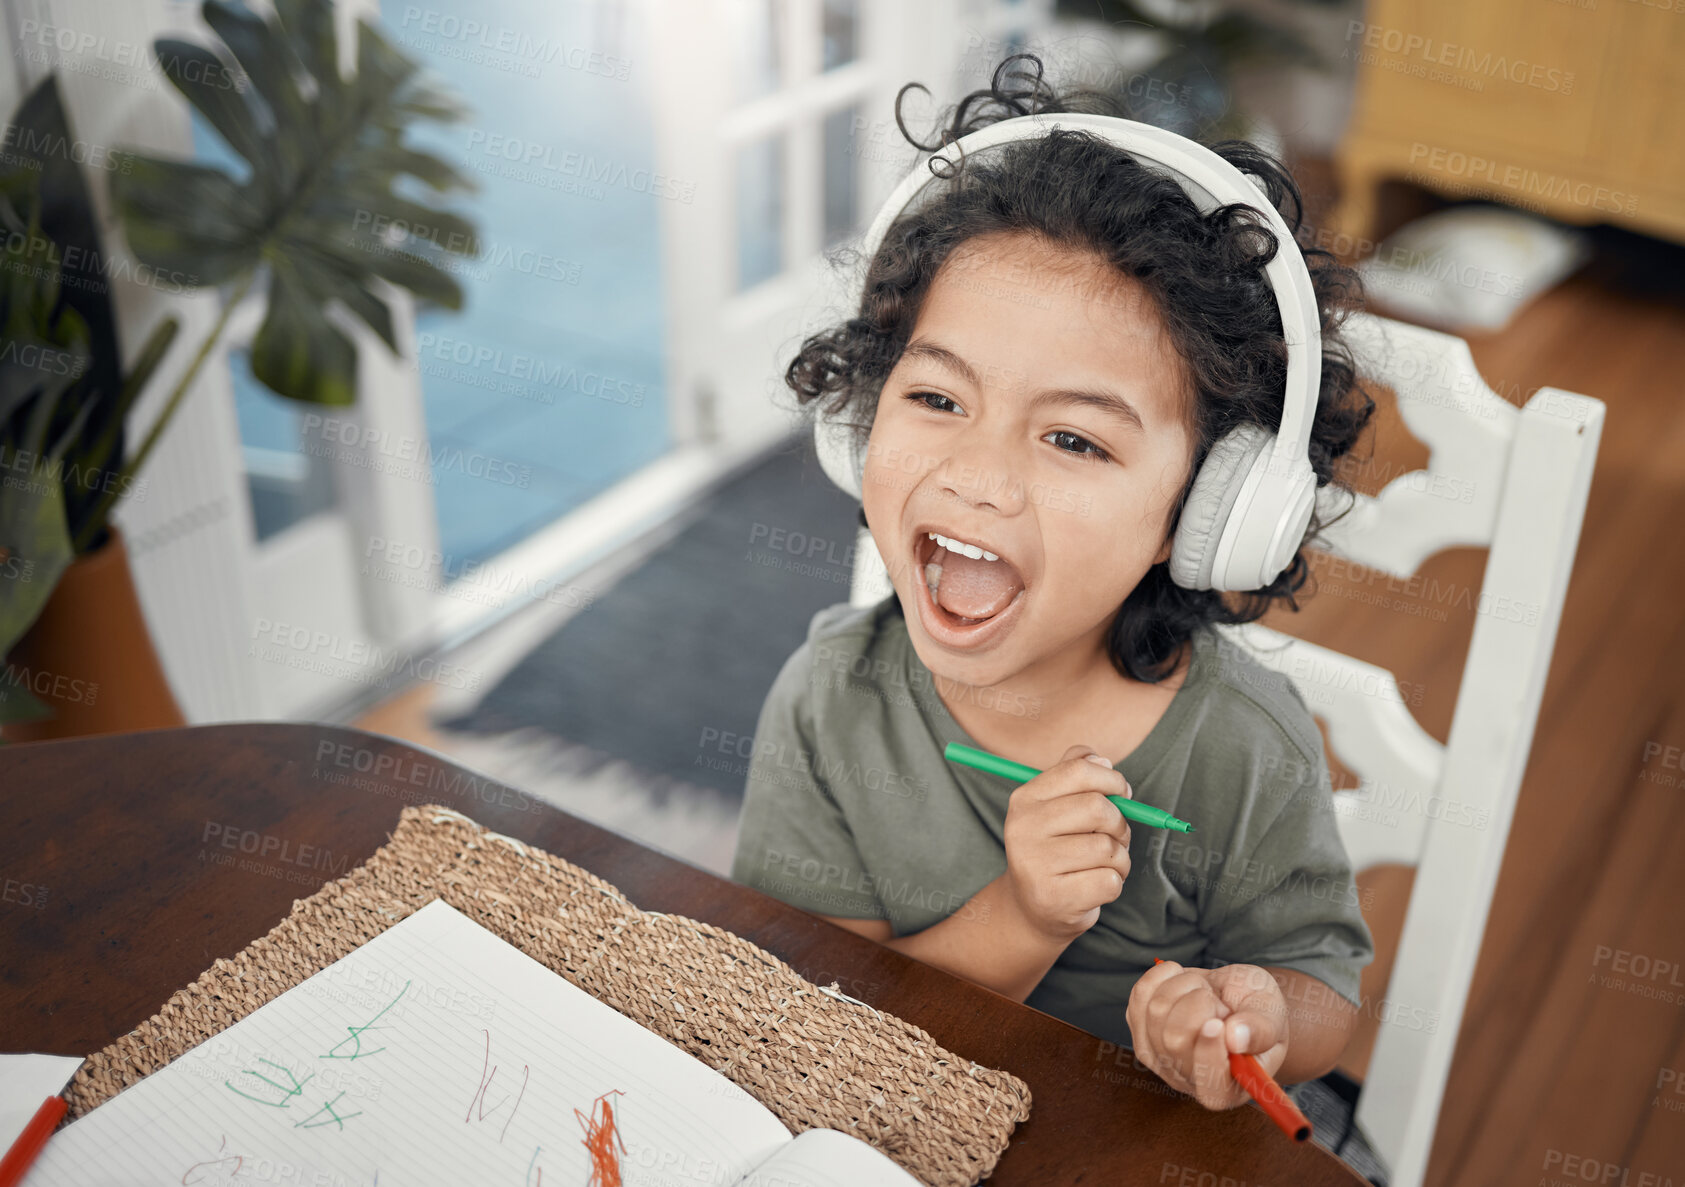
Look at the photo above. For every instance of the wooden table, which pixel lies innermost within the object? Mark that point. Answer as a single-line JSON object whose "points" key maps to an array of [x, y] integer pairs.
{"points": [[107, 906]]}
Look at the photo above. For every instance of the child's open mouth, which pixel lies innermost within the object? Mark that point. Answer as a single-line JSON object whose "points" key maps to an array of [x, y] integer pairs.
{"points": [[965, 598]]}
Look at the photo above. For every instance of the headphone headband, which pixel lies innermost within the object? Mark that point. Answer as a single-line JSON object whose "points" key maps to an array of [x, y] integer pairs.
{"points": [[1211, 182]]}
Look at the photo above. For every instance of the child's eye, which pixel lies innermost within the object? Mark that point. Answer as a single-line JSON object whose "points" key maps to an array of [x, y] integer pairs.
{"points": [[925, 398], [1093, 451]]}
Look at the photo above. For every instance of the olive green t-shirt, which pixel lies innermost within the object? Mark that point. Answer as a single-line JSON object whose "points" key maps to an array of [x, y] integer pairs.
{"points": [[852, 810]]}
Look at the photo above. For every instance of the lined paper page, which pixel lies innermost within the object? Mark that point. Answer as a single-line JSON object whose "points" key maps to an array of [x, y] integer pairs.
{"points": [[436, 1053], [829, 1158]]}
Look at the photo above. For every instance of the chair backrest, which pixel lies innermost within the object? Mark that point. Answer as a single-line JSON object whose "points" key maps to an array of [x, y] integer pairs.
{"points": [[1514, 480]]}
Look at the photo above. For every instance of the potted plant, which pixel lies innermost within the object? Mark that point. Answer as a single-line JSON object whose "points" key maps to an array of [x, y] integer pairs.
{"points": [[1206, 43], [311, 226]]}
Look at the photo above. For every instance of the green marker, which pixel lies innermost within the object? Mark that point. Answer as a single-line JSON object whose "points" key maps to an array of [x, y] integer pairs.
{"points": [[994, 764]]}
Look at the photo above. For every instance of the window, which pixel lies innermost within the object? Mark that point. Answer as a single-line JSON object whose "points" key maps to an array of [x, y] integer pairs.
{"points": [[760, 210], [840, 31], [840, 184], [759, 40]]}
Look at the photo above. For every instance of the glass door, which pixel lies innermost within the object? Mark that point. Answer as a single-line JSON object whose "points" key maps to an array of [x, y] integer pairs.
{"points": [[764, 103]]}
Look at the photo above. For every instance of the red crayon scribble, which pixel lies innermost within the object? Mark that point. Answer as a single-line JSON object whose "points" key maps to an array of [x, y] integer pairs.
{"points": [[601, 1137], [238, 1161], [485, 1083], [525, 1072]]}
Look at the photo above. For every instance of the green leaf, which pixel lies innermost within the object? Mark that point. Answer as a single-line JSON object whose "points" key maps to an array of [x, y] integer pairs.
{"points": [[319, 274], [268, 63], [62, 441], [30, 366], [436, 173], [104, 451], [46, 189], [34, 545], [235, 112], [157, 345], [38, 422], [298, 352], [310, 34], [425, 229], [328, 160], [420, 275], [187, 219]]}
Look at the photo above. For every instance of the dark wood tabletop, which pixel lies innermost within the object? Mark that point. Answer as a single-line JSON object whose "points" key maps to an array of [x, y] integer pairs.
{"points": [[107, 906]]}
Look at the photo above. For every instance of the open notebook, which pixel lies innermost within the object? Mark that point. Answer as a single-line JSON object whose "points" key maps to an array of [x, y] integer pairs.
{"points": [[438, 1053]]}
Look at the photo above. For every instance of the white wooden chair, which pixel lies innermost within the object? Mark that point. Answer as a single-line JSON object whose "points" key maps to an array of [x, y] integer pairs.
{"points": [[1529, 470]]}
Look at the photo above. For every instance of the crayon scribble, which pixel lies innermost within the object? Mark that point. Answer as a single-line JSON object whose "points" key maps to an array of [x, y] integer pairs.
{"points": [[485, 1083], [238, 1160], [356, 1036], [310, 1122], [601, 1137], [287, 1094]]}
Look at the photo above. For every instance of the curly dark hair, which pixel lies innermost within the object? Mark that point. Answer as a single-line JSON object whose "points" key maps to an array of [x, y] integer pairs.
{"points": [[1204, 272]]}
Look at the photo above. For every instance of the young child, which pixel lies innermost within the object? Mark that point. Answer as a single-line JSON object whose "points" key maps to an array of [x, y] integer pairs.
{"points": [[1043, 355]]}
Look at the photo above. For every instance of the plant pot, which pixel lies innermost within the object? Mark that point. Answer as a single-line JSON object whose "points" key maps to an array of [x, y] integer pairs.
{"points": [[89, 657]]}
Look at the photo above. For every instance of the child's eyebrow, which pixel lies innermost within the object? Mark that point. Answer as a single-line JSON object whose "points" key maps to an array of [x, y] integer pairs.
{"points": [[1100, 399]]}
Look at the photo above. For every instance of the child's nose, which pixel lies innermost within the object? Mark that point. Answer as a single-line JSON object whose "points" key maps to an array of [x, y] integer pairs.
{"points": [[983, 473]]}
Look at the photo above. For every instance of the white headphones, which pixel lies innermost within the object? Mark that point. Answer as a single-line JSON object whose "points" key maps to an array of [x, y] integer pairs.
{"points": [[1250, 504]]}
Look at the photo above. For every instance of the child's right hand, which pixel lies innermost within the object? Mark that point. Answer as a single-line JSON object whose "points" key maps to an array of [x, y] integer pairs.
{"points": [[1067, 845]]}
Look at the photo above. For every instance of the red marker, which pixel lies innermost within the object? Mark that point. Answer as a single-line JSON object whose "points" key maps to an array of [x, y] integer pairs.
{"points": [[1261, 1087], [34, 1136]]}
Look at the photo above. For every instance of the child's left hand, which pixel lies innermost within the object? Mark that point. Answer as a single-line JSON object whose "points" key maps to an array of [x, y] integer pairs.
{"points": [[1186, 1021]]}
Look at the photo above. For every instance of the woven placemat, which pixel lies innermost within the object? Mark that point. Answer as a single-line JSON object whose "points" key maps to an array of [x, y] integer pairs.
{"points": [[812, 1056]]}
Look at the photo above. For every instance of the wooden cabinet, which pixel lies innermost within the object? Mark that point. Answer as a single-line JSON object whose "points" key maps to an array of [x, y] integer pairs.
{"points": [[1569, 108]]}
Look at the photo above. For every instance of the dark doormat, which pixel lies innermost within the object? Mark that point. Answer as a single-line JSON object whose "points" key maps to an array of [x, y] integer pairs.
{"points": [[668, 669]]}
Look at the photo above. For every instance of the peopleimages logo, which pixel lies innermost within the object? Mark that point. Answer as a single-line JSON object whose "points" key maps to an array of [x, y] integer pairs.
{"points": [[514, 43], [1482, 62], [481, 581], [22, 146], [518, 373], [270, 845], [47, 684], [32, 357], [82, 267], [533, 160], [1518, 179], [391, 453], [351, 659], [80, 49]]}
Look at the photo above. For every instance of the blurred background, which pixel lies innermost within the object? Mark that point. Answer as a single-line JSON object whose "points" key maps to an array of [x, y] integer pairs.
{"points": [[442, 395]]}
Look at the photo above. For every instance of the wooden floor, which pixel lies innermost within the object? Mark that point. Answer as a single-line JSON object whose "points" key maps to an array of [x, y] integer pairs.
{"points": [[1558, 1077], [1563, 1063]]}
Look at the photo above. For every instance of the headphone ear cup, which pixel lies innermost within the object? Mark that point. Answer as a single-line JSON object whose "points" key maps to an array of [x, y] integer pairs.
{"points": [[835, 444], [1210, 504]]}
